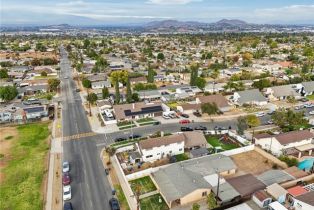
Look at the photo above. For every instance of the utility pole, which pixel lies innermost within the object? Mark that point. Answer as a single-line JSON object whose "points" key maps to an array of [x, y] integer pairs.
{"points": [[218, 183]]}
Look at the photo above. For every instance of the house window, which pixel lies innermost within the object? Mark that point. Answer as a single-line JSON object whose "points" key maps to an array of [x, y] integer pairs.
{"points": [[158, 153], [180, 149], [204, 194], [149, 156], [170, 151]]}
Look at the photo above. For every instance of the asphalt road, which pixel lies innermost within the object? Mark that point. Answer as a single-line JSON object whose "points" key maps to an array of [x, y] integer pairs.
{"points": [[90, 186]]}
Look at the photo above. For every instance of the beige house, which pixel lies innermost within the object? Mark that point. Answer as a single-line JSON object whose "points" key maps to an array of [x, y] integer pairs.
{"points": [[186, 182]]}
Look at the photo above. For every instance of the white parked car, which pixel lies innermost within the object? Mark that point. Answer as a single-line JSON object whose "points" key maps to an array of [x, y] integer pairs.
{"points": [[311, 112], [166, 116], [65, 167], [260, 114], [308, 105], [67, 193]]}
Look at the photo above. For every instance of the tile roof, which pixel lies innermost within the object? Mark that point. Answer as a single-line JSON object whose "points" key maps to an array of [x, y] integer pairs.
{"points": [[296, 191]]}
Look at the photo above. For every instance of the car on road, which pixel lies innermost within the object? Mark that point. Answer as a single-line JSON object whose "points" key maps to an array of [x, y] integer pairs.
{"points": [[200, 128], [184, 121], [67, 195], [298, 107], [67, 206], [134, 136], [308, 105], [65, 167], [66, 77], [259, 114], [304, 100], [77, 89], [166, 116], [186, 129], [185, 115], [311, 112], [270, 122], [114, 204], [120, 139], [66, 179]]}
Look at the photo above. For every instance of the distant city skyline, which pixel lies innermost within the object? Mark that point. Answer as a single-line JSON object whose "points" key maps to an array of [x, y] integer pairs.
{"points": [[121, 12]]}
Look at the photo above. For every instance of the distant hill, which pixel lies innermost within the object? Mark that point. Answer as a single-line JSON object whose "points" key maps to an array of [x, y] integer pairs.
{"points": [[233, 22], [59, 26]]}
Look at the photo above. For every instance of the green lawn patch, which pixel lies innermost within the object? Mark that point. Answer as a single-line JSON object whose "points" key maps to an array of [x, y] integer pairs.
{"points": [[143, 120], [148, 123], [121, 197], [127, 127], [8, 137], [145, 185], [182, 157], [124, 123], [45, 77], [152, 202], [214, 141], [310, 97], [21, 188]]}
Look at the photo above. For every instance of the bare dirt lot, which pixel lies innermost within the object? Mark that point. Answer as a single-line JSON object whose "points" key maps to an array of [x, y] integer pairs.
{"points": [[7, 135], [251, 162]]}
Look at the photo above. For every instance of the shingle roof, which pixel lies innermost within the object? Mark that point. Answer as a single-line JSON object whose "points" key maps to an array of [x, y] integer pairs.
{"points": [[194, 138], [180, 179], [308, 86], [307, 198], [248, 96], [123, 110], [293, 136], [226, 192], [274, 176], [246, 184], [284, 90], [164, 140]]}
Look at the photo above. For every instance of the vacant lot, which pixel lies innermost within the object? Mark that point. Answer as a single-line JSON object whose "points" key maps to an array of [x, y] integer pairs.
{"points": [[143, 185], [25, 167], [252, 162], [152, 203]]}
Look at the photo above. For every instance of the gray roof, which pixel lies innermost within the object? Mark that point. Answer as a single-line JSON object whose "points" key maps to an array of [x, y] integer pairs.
{"points": [[149, 93], [248, 96], [284, 90], [274, 176], [226, 192], [308, 86], [106, 83], [32, 88], [180, 179], [199, 152]]}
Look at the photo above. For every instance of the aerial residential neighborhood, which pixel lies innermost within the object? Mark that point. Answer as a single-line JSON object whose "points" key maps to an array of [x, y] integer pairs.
{"points": [[137, 107]]}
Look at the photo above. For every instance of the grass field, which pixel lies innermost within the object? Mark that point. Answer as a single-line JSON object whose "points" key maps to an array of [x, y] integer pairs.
{"points": [[152, 203], [214, 141], [182, 157], [146, 185], [23, 184], [121, 197]]}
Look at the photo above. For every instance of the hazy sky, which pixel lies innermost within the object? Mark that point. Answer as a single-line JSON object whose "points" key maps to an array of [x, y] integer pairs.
{"points": [[85, 12]]}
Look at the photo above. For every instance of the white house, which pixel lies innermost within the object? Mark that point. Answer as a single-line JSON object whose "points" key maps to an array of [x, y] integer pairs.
{"points": [[291, 143], [157, 148], [101, 84]]}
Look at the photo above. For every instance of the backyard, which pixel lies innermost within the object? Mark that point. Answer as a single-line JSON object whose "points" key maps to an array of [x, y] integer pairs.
{"points": [[143, 185], [24, 168], [152, 202], [216, 142]]}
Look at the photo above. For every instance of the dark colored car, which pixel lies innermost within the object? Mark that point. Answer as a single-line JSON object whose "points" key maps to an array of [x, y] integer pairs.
{"points": [[197, 114], [114, 204], [156, 123], [200, 128], [120, 139], [67, 206], [185, 115], [186, 129], [66, 179], [134, 136]]}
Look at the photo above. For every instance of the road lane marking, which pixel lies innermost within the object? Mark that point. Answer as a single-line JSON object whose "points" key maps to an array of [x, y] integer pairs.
{"points": [[78, 136]]}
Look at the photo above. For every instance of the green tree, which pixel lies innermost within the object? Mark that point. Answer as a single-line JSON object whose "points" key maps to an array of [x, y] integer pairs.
{"points": [[128, 91], [43, 74], [261, 84], [211, 201], [196, 206], [117, 98], [86, 83], [105, 92], [53, 84], [3, 73], [209, 108], [151, 74], [200, 82], [252, 121], [241, 125], [135, 97], [160, 56], [194, 74], [86, 43], [120, 76], [8, 93], [92, 98]]}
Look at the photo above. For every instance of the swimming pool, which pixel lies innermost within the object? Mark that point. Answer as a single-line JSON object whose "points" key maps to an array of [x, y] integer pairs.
{"points": [[306, 164]]}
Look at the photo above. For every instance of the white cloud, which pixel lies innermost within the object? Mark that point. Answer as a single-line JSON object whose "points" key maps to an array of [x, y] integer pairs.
{"points": [[168, 2], [291, 12]]}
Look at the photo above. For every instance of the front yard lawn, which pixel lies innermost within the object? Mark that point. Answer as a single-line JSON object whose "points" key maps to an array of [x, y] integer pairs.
{"points": [[145, 185], [23, 183], [152, 203], [143, 120], [127, 127], [182, 157], [124, 123], [310, 97], [215, 142]]}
